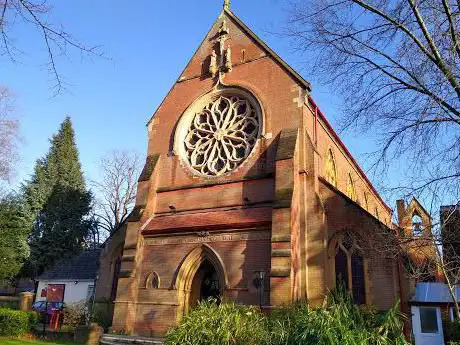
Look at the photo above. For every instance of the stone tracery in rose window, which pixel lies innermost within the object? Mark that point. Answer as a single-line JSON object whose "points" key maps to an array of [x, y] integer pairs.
{"points": [[222, 135]]}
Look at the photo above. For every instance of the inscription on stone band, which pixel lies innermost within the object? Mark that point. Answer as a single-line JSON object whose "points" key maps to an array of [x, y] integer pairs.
{"points": [[203, 238]]}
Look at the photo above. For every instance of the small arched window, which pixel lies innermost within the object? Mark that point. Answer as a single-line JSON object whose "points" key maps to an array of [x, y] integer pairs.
{"points": [[417, 225], [330, 168], [351, 191], [152, 281], [350, 267]]}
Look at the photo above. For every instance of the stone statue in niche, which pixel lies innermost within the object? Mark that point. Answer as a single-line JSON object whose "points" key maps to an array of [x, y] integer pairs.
{"points": [[220, 61], [228, 60], [213, 63], [223, 30]]}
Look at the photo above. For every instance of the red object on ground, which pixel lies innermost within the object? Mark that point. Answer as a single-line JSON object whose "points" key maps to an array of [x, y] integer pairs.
{"points": [[56, 318]]}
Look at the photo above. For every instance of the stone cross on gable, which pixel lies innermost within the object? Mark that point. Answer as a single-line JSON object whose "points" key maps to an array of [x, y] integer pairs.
{"points": [[227, 4], [221, 61]]}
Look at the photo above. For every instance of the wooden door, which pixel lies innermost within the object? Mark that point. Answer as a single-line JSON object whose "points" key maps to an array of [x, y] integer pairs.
{"points": [[56, 292]]}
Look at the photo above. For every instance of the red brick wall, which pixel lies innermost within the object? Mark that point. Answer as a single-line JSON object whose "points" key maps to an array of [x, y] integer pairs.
{"points": [[241, 260], [306, 212]]}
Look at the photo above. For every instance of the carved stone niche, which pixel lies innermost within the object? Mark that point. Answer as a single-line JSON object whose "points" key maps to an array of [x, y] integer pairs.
{"points": [[219, 131]]}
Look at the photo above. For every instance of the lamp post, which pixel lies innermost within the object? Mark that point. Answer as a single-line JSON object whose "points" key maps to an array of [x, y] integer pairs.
{"points": [[259, 281]]}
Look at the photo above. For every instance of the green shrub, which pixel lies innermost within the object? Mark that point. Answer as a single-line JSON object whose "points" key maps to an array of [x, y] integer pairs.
{"points": [[452, 331], [222, 324], [338, 321], [15, 322], [9, 302]]}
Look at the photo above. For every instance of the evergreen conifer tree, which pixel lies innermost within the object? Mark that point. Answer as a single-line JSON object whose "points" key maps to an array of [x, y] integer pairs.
{"points": [[13, 233], [58, 203]]}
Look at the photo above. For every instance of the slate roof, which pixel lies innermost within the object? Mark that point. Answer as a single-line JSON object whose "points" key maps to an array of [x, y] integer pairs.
{"points": [[78, 267]]}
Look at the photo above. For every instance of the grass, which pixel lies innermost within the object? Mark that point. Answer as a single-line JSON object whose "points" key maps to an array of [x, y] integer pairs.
{"points": [[23, 341]]}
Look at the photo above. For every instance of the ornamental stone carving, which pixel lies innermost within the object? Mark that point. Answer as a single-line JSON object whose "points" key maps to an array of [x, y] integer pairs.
{"points": [[218, 133]]}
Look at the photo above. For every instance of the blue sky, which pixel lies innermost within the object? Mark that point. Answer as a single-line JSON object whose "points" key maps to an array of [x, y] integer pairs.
{"points": [[110, 100]]}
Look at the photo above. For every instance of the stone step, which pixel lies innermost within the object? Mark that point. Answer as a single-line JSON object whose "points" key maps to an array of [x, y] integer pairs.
{"points": [[114, 339]]}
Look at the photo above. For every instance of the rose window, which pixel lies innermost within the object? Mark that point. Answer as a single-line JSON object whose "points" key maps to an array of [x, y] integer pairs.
{"points": [[221, 135]]}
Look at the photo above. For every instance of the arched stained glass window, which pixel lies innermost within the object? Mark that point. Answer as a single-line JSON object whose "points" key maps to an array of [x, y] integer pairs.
{"points": [[357, 279], [350, 267], [341, 268], [366, 202], [351, 191], [330, 168]]}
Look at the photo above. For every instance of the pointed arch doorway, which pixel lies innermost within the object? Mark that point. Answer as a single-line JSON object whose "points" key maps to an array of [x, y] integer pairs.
{"points": [[205, 284], [201, 275]]}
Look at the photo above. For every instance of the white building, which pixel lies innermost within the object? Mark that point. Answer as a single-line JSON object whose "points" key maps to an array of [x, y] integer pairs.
{"points": [[70, 280], [427, 304]]}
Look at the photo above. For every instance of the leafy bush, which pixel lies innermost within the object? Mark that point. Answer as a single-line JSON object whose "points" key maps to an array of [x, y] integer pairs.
{"points": [[338, 321], [222, 324], [75, 314], [15, 322], [9, 302]]}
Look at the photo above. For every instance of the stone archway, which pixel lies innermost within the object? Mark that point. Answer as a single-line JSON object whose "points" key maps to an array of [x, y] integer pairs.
{"points": [[201, 264]]}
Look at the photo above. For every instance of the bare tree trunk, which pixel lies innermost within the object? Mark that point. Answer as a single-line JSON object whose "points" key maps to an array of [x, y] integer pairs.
{"points": [[116, 191]]}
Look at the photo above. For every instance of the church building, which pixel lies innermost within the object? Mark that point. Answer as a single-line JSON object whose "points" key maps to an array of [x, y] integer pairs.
{"points": [[247, 195]]}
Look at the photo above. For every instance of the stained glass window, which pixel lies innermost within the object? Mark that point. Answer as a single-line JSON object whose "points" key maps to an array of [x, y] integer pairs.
{"points": [[350, 267], [330, 168]]}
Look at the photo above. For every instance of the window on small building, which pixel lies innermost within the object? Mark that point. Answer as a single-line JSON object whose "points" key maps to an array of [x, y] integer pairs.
{"points": [[351, 191], [417, 225], [330, 168], [428, 320], [350, 267]]}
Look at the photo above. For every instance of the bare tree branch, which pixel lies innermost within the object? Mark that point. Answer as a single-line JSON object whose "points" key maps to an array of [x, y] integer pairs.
{"points": [[396, 66], [56, 39], [9, 135], [116, 190]]}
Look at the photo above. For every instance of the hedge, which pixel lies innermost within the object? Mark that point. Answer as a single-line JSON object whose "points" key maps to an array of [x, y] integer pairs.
{"points": [[10, 302], [15, 322]]}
